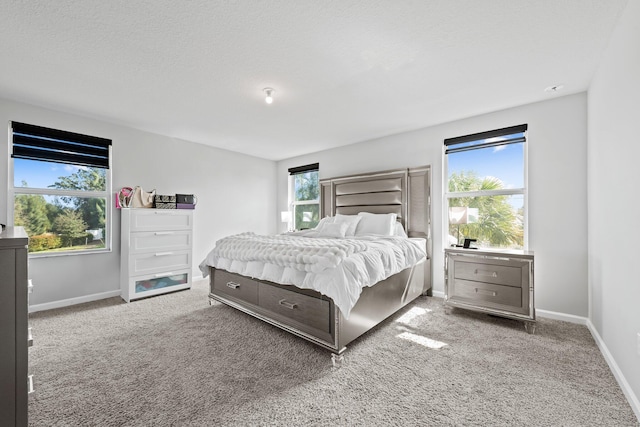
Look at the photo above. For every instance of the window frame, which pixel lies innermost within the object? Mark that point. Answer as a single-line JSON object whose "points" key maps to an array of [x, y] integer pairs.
{"points": [[12, 191], [314, 167], [524, 191]]}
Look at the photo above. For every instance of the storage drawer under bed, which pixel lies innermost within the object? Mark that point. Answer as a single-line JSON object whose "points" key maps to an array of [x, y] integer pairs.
{"points": [[310, 311], [235, 286]]}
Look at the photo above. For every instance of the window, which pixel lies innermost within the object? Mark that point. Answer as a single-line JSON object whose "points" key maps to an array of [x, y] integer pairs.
{"points": [[486, 189], [304, 196], [60, 185]]}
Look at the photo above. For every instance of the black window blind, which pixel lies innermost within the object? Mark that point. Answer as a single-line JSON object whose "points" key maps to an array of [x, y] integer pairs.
{"points": [[492, 138], [51, 145], [306, 168]]}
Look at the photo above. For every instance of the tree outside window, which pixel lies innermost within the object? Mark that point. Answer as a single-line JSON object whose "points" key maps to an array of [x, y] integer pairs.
{"points": [[304, 196], [64, 220]]}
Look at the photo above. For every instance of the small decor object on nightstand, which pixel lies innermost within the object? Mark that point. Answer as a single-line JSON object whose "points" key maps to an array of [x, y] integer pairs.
{"points": [[467, 243], [498, 282]]}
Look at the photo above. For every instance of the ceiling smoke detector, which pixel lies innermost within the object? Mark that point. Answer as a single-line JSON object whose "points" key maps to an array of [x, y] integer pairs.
{"points": [[554, 89]]}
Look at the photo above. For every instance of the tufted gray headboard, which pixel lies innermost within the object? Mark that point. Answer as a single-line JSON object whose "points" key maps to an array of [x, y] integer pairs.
{"points": [[405, 192]]}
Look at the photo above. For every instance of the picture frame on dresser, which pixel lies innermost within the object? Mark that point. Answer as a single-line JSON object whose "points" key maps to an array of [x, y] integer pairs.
{"points": [[156, 251]]}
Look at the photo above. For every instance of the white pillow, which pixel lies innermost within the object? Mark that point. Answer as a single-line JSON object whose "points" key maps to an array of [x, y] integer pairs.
{"points": [[398, 230], [336, 229], [382, 224], [323, 221], [352, 220]]}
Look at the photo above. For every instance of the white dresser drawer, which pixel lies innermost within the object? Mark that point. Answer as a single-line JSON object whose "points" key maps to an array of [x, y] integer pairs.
{"points": [[155, 284], [148, 241], [151, 262], [161, 219]]}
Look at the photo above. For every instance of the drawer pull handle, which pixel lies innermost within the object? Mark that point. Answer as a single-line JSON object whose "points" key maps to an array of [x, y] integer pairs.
{"points": [[486, 292], [486, 273], [167, 274], [30, 286], [233, 285], [163, 253], [289, 305], [163, 233], [30, 384]]}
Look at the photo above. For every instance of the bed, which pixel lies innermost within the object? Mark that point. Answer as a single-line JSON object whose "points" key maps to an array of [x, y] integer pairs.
{"points": [[313, 315]]}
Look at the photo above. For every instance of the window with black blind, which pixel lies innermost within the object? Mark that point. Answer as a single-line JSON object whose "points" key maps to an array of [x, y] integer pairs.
{"points": [[304, 196], [486, 195], [60, 184]]}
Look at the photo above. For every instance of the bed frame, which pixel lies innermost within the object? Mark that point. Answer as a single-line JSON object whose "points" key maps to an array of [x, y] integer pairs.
{"points": [[313, 316]]}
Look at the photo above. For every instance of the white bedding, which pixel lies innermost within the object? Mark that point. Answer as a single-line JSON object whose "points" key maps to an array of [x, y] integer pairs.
{"points": [[337, 268]]}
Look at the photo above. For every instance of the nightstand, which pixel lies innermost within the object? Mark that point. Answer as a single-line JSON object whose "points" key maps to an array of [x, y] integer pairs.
{"points": [[498, 282]]}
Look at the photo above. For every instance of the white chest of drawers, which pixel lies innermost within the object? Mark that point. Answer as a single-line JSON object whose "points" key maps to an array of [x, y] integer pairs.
{"points": [[495, 282], [156, 251]]}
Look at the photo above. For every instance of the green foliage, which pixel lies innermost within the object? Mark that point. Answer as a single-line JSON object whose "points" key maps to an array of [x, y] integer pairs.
{"points": [[44, 242], [499, 224], [86, 179], [306, 188], [70, 225], [31, 213]]}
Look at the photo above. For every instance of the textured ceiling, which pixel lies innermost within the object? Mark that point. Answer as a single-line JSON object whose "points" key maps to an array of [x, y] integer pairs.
{"points": [[343, 71]]}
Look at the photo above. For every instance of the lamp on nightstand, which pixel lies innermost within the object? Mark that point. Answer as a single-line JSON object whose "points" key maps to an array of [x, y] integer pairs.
{"points": [[462, 215], [285, 216]]}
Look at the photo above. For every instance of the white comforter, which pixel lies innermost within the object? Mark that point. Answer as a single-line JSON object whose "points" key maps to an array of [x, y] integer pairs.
{"points": [[337, 268]]}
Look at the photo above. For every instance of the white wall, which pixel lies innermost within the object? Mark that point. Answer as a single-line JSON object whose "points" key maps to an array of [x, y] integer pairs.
{"points": [[613, 156], [235, 193], [557, 188]]}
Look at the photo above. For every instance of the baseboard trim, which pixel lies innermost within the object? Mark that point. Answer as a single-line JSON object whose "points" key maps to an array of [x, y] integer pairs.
{"points": [[437, 294], [561, 316], [73, 301], [617, 373]]}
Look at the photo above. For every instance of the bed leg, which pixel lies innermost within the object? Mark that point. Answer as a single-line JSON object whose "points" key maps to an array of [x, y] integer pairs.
{"points": [[211, 301], [530, 327], [447, 309], [337, 359]]}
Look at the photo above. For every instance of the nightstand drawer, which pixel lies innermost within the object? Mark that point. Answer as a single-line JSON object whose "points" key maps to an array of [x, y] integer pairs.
{"points": [[235, 286], [305, 309], [478, 292], [487, 272]]}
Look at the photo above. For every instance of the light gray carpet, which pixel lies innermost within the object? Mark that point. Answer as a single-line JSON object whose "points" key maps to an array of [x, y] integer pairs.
{"points": [[173, 360]]}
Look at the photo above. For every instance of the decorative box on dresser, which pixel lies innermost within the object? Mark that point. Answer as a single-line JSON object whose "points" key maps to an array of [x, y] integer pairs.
{"points": [[15, 382], [156, 251], [498, 282]]}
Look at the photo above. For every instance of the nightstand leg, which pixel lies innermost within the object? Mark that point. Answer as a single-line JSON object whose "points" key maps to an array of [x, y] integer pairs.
{"points": [[337, 359], [447, 309], [530, 327]]}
